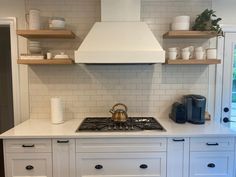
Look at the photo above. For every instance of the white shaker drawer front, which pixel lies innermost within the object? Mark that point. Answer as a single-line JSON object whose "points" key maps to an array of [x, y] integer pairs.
{"points": [[212, 144], [211, 164], [114, 164], [28, 164], [121, 145], [28, 145]]}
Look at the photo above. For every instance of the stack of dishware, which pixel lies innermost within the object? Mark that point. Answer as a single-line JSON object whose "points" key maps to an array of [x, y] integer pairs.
{"points": [[34, 47], [57, 23], [181, 23], [199, 53]]}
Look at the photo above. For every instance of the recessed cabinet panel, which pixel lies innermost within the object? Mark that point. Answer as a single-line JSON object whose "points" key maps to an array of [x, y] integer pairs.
{"points": [[28, 164], [211, 164], [124, 164]]}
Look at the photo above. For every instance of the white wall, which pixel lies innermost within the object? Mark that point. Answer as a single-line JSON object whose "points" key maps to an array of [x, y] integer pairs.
{"points": [[226, 10], [16, 8], [91, 90]]}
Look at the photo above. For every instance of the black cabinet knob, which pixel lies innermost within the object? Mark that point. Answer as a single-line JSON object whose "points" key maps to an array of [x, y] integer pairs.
{"points": [[29, 167], [143, 166], [212, 144], [226, 109], [178, 140], [226, 119], [98, 167], [211, 165]]}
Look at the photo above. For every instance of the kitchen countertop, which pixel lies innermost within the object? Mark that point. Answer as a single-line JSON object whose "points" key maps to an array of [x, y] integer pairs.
{"points": [[42, 128]]}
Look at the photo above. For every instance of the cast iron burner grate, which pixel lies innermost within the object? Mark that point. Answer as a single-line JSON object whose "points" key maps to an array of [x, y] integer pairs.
{"points": [[106, 124]]}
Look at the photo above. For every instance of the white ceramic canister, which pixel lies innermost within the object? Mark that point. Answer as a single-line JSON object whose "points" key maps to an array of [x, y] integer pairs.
{"points": [[211, 53], [34, 19]]}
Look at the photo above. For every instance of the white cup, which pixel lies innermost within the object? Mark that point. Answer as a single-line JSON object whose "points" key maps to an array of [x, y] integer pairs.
{"points": [[199, 49], [186, 55], [199, 55], [49, 55], [211, 53], [173, 49], [173, 55]]}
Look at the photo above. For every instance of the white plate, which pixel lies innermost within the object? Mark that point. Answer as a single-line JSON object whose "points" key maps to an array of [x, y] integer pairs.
{"points": [[61, 56]]}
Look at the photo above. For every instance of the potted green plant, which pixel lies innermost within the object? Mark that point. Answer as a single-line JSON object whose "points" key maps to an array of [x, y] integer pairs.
{"points": [[207, 21]]}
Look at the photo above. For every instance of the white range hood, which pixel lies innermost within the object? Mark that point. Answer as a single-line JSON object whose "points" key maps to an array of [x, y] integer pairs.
{"points": [[120, 37]]}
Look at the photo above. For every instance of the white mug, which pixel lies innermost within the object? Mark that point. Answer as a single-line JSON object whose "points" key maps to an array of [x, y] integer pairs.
{"points": [[186, 55], [173, 55], [173, 49], [211, 53], [188, 49], [199, 55], [199, 49], [49, 55]]}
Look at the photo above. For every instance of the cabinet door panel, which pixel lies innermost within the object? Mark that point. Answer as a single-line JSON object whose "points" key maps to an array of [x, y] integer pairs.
{"points": [[64, 158], [209, 164], [124, 164], [178, 157], [28, 164]]}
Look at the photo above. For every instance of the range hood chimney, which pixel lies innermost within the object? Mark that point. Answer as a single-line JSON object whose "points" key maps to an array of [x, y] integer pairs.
{"points": [[120, 37]]}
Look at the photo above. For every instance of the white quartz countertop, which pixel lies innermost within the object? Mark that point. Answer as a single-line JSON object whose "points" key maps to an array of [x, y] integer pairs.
{"points": [[42, 128]]}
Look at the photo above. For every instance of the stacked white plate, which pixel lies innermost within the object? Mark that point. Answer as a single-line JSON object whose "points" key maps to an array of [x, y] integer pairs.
{"points": [[35, 47], [181, 23]]}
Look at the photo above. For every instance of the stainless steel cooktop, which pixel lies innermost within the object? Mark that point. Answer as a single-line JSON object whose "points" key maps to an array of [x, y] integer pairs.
{"points": [[106, 124]]}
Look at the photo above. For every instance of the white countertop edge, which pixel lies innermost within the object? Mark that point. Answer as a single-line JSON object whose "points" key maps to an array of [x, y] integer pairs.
{"points": [[42, 128]]}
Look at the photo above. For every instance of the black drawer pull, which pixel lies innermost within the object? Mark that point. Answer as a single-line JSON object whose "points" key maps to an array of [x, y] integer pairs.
{"points": [[212, 144], [178, 140], [211, 165], [62, 141], [98, 167], [29, 167], [143, 166], [28, 145]]}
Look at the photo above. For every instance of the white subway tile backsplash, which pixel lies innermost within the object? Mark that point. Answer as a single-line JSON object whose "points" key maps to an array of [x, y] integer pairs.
{"points": [[91, 90]]}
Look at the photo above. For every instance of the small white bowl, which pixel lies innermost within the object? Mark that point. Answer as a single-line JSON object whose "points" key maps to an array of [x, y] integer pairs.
{"points": [[180, 26], [35, 49]]}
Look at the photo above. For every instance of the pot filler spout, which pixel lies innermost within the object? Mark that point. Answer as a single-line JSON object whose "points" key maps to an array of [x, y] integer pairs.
{"points": [[120, 37]]}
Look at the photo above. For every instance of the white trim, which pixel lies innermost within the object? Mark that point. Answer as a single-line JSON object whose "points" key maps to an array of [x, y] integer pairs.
{"points": [[11, 21], [219, 79]]}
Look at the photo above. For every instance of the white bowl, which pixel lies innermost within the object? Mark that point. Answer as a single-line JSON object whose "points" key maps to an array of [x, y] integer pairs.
{"points": [[35, 49], [57, 24], [180, 26], [181, 19]]}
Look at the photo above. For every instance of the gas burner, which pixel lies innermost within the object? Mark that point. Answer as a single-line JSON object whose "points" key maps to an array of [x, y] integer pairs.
{"points": [[106, 124]]}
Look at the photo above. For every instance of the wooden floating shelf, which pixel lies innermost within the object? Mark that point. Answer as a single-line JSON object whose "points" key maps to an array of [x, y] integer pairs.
{"points": [[46, 62], [63, 34], [190, 34], [192, 62]]}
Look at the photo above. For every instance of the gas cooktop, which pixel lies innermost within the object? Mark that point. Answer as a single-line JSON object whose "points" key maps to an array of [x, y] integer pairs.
{"points": [[106, 124]]}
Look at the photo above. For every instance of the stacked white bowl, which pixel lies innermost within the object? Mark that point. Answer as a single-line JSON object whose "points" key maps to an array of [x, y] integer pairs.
{"points": [[181, 23], [34, 47]]}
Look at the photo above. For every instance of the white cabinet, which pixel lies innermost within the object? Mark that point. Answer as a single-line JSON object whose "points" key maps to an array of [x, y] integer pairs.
{"points": [[121, 157], [211, 157], [64, 158], [178, 157], [121, 164], [28, 158]]}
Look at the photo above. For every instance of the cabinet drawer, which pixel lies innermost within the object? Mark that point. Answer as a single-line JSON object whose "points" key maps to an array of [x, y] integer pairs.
{"points": [[121, 145], [28, 164], [28, 145], [211, 144], [137, 164], [209, 164]]}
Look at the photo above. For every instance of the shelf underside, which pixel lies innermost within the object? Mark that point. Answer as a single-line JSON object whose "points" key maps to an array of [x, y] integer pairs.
{"points": [[193, 62], [46, 62]]}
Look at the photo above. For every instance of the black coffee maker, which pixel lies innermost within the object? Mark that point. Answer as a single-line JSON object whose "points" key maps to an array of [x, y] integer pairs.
{"points": [[195, 108]]}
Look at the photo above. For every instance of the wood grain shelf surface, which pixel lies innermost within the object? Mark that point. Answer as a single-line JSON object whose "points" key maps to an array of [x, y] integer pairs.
{"points": [[192, 62], [46, 62], [190, 34], [63, 34]]}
